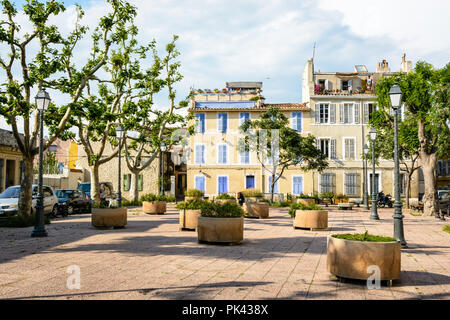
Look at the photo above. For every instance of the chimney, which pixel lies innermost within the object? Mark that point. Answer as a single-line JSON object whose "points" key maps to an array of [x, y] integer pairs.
{"points": [[383, 66], [406, 65]]}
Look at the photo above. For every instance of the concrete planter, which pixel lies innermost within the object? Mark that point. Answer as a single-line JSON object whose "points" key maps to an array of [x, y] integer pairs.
{"points": [[351, 259], [306, 202], [154, 207], [189, 219], [109, 217], [311, 219], [222, 201], [256, 210], [220, 230], [253, 199]]}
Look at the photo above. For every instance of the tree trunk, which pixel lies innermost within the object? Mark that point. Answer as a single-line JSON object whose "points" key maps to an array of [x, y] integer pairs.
{"points": [[26, 196], [134, 192], [272, 186], [408, 189], [95, 187], [429, 174]]}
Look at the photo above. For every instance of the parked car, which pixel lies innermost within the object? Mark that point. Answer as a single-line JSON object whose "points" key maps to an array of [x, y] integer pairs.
{"points": [[71, 201], [106, 191], [9, 201]]}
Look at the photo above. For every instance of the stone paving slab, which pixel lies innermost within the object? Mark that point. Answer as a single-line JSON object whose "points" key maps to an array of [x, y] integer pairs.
{"points": [[152, 259]]}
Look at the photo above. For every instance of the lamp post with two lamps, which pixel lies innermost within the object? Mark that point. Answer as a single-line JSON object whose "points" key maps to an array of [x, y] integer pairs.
{"points": [[366, 193], [42, 102], [395, 96], [374, 215]]}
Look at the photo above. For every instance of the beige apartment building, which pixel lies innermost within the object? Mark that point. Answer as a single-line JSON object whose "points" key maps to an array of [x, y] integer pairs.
{"points": [[336, 109]]}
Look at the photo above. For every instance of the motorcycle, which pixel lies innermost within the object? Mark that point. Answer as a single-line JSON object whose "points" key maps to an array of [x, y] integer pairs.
{"points": [[384, 200]]}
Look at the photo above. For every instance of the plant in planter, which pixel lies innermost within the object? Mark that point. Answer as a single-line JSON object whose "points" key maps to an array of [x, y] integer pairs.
{"points": [[305, 199], [225, 197], [192, 194], [153, 204], [104, 217], [309, 216], [328, 196], [253, 194], [341, 198], [352, 256], [190, 211], [221, 223]]}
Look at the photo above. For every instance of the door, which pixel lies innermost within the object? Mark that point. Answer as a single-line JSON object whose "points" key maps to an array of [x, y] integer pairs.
{"points": [[249, 182]]}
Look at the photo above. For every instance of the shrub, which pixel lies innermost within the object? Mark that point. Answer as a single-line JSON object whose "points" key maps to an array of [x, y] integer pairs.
{"points": [[341, 196], [251, 193], [301, 206], [166, 198], [18, 221], [224, 196], [327, 195], [447, 228], [224, 210], [203, 205], [150, 197], [363, 237], [127, 203], [280, 204], [304, 196], [194, 193]]}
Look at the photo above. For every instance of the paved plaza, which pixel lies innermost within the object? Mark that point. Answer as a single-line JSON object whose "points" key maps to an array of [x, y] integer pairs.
{"points": [[152, 259]]}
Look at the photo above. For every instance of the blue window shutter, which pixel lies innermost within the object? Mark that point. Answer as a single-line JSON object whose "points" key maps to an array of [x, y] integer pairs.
{"points": [[222, 154], [222, 125], [298, 185], [224, 119], [294, 120], [299, 121], [200, 183], [223, 185], [200, 117], [250, 182]]}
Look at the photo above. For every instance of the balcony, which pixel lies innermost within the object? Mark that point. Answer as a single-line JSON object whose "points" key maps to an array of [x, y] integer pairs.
{"points": [[318, 90]]}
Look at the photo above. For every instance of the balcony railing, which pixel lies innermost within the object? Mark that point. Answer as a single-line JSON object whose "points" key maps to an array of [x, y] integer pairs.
{"points": [[343, 92]]}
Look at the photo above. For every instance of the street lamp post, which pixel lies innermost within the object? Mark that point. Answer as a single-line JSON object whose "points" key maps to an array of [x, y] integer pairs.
{"points": [[366, 193], [395, 95], [119, 135], [42, 103], [163, 149], [374, 215]]}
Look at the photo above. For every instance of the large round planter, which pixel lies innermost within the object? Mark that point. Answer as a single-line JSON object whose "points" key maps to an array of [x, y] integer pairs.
{"points": [[154, 207], [253, 199], [222, 201], [189, 219], [109, 217], [311, 219], [257, 210], [352, 259], [192, 198], [220, 230], [306, 202]]}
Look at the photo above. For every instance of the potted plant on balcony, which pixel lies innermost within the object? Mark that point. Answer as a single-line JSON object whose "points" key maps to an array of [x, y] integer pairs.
{"points": [[221, 223], [189, 213], [305, 199], [153, 204], [225, 197], [311, 216], [104, 217], [193, 194], [351, 255]]}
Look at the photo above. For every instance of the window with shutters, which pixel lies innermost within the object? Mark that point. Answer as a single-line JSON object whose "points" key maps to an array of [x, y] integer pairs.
{"points": [[350, 183], [327, 146], [269, 184], [243, 116], [297, 121], [245, 157], [323, 113], [222, 154], [369, 108], [402, 183], [222, 122], [347, 113], [140, 182], [126, 182], [200, 154], [326, 182], [222, 184], [200, 123], [200, 183], [349, 148], [297, 185]]}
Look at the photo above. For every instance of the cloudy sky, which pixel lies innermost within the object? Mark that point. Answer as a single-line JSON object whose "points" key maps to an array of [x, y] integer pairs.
{"points": [[271, 40]]}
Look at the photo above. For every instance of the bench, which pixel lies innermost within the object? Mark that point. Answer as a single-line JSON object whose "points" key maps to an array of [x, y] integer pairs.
{"points": [[356, 202], [345, 206]]}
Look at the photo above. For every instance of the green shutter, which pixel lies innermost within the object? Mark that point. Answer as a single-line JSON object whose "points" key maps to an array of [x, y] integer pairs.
{"points": [[126, 182], [140, 182]]}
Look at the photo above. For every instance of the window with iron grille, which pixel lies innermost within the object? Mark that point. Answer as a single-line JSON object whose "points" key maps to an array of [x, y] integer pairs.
{"points": [[351, 183], [326, 182]]}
